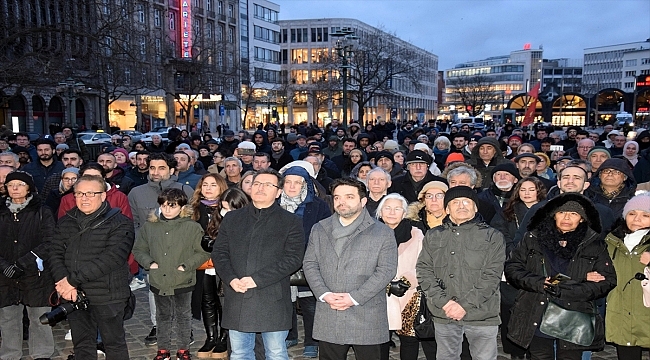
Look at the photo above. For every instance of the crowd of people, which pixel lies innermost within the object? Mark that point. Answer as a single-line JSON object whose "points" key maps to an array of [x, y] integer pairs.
{"points": [[356, 229]]}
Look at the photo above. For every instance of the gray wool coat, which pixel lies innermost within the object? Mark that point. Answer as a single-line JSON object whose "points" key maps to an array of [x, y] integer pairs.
{"points": [[368, 262]]}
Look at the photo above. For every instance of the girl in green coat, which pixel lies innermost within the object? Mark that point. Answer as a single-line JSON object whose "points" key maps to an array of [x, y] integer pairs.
{"points": [[629, 247]]}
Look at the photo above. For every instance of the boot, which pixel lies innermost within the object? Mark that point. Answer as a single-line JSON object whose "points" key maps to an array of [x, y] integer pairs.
{"points": [[220, 350], [210, 342]]}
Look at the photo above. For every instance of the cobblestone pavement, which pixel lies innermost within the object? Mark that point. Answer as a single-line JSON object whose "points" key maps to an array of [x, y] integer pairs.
{"points": [[139, 326]]}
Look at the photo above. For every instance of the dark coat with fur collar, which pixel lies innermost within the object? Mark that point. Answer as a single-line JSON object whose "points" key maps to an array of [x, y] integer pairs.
{"points": [[525, 271]]}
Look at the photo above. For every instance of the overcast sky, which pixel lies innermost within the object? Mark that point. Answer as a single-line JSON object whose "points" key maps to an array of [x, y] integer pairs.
{"points": [[464, 30]]}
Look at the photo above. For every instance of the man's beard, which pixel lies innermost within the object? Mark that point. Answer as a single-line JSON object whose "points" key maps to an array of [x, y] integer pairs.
{"points": [[46, 157], [504, 185]]}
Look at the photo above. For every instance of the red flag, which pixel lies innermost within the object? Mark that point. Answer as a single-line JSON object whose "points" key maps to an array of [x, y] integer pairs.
{"points": [[530, 110]]}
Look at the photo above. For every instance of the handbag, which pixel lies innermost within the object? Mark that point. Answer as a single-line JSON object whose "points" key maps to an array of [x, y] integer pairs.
{"points": [[423, 324], [298, 279], [398, 287], [645, 286], [569, 325]]}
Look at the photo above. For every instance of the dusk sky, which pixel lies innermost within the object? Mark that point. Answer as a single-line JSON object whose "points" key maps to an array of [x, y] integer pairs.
{"points": [[464, 30]]}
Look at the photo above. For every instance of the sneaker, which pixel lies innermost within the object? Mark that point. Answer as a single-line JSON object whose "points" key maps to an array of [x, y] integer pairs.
{"points": [[310, 352], [291, 343], [151, 338], [163, 355], [183, 354], [137, 284], [68, 335], [101, 350]]}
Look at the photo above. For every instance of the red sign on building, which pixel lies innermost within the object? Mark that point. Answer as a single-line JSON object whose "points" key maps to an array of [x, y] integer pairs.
{"points": [[186, 29], [642, 81]]}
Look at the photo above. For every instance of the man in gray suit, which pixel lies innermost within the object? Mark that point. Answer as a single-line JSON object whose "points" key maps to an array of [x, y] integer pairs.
{"points": [[350, 259]]}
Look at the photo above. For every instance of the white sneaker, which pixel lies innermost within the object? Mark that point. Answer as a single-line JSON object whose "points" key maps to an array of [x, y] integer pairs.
{"points": [[68, 335], [137, 284]]}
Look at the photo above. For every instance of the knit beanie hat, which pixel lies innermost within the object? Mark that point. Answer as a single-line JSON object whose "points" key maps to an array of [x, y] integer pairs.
{"points": [[62, 147], [508, 167], [454, 157], [24, 177], [70, 170], [640, 202], [460, 192], [391, 145], [418, 156], [384, 154], [601, 149], [571, 206]]}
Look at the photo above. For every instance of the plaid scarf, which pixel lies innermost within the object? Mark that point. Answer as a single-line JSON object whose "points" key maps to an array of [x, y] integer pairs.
{"points": [[610, 195]]}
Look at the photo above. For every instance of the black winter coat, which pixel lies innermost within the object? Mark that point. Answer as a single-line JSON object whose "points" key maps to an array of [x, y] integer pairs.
{"points": [[267, 245], [96, 261], [528, 264], [29, 231]]}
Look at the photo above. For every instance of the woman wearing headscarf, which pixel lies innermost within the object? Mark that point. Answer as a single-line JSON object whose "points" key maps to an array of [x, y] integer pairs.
{"points": [[360, 171], [299, 197], [562, 238], [629, 246], [402, 310], [631, 152], [26, 229]]}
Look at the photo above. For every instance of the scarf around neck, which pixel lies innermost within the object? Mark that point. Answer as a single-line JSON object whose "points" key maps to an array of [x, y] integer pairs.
{"points": [[16, 208]]}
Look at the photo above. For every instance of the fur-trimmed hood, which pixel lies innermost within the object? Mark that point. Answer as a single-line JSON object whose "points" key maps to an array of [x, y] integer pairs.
{"points": [[413, 210], [593, 219], [186, 212]]}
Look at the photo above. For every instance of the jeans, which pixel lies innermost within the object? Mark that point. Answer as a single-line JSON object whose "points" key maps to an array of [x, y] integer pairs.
{"points": [[174, 307], [109, 320], [482, 341], [308, 307], [243, 344], [544, 349], [152, 305], [41, 341]]}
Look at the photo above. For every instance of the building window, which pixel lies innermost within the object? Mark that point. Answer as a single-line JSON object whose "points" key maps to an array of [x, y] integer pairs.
{"points": [[299, 56], [220, 7], [157, 14], [220, 32], [284, 36], [630, 73], [172, 20], [158, 79], [209, 29], [231, 63], [231, 85], [220, 58], [127, 76], [645, 61], [630, 62], [231, 11], [140, 8], [209, 5], [293, 35], [231, 34], [629, 85]]}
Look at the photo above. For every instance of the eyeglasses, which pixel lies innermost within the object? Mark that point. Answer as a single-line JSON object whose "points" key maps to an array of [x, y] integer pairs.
{"points": [[266, 184], [17, 184], [88, 194], [585, 147], [391, 209], [69, 179], [611, 172], [436, 196]]}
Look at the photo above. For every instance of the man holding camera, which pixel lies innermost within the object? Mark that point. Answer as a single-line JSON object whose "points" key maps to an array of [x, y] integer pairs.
{"points": [[90, 248]]}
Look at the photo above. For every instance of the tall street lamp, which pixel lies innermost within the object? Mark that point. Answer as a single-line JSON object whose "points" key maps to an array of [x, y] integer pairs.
{"points": [[344, 49], [70, 89]]}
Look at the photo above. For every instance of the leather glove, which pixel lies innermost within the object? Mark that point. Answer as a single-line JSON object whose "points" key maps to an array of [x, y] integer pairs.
{"points": [[13, 271], [398, 287], [552, 290], [207, 243]]}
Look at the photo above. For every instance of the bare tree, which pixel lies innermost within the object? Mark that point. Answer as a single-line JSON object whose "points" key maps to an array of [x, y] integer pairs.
{"points": [[377, 63], [473, 92]]}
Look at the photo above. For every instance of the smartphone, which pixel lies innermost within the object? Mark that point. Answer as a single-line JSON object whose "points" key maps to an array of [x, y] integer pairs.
{"points": [[559, 277], [557, 148]]}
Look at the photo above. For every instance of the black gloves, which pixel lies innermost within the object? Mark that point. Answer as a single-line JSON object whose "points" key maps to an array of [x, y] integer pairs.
{"points": [[13, 271], [207, 243], [398, 287]]}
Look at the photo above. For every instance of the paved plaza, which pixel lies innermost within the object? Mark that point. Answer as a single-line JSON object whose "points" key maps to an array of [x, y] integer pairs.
{"points": [[139, 326]]}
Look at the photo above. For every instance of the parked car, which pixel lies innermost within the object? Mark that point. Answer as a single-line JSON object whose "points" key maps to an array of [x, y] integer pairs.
{"points": [[94, 137], [135, 135]]}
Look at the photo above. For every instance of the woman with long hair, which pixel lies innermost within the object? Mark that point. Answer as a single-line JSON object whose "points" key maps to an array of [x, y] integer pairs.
{"points": [[205, 202], [246, 182], [526, 193]]}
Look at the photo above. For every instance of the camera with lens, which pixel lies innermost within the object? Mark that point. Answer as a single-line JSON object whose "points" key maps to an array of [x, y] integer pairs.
{"points": [[61, 312]]}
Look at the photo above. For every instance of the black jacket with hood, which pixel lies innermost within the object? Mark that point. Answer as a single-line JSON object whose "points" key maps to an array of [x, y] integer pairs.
{"points": [[265, 147], [532, 261], [486, 170]]}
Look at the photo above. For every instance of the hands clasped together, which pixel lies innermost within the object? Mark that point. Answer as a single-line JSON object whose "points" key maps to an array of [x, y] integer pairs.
{"points": [[243, 284]]}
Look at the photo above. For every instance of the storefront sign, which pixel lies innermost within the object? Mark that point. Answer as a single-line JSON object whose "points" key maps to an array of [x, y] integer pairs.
{"points": [[186, 29]]}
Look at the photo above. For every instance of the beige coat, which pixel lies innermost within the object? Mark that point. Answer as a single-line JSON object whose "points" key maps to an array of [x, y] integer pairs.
{"points": [[407, 258]]}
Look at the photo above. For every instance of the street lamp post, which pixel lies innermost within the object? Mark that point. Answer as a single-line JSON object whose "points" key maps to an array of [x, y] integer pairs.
{"points": [[70, 89], [344, 49]]}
